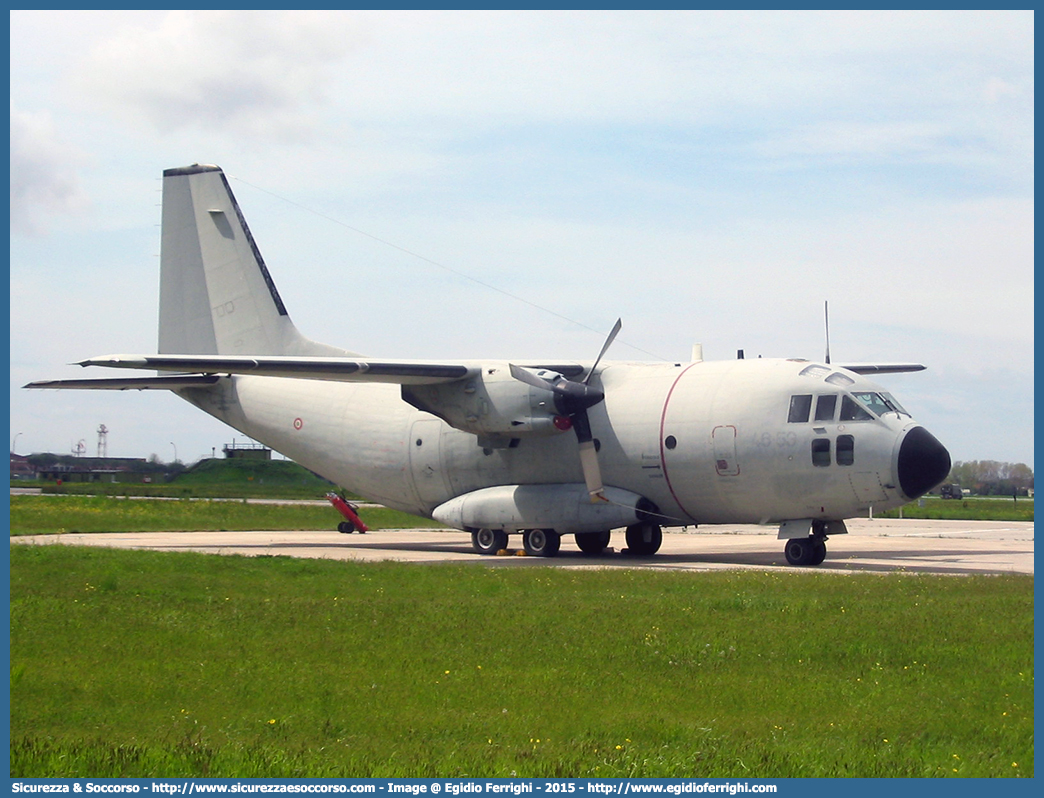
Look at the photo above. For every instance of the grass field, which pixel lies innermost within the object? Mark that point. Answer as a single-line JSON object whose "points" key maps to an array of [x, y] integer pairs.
{"points": [[136, 663], [972, 508], [36, 515], [213, 478], [47, 514]]}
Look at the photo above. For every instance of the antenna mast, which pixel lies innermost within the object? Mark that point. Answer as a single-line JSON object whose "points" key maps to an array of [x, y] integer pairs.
{"points": [[826, 321]]}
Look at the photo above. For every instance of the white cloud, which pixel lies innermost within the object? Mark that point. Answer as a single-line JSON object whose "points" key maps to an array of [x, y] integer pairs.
{"points": [[43, 173], [257, 73]]}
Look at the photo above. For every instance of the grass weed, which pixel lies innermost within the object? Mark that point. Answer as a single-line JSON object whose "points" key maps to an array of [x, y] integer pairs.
{"points": [[138, 663]]}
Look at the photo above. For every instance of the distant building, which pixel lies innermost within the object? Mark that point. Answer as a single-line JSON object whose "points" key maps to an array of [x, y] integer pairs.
{"points": [[51, 468], [21, 468], [247, 451]]}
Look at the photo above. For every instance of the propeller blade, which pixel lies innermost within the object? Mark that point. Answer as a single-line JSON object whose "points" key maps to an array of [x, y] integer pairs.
{"points": [[605, 347], [592, 472], [528, 377], [572, 399], [588, 456]]}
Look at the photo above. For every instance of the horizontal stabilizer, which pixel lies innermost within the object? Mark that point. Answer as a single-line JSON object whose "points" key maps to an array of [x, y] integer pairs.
{"points": [[171, 383], [882, 368]]}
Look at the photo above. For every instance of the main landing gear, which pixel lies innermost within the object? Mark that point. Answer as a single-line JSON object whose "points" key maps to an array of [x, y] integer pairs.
{"points": [[489, 541], [541, 542], [593, 542], [642, 540]]}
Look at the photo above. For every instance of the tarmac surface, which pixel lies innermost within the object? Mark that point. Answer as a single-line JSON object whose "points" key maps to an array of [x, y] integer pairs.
{"points": [[882, 546]]}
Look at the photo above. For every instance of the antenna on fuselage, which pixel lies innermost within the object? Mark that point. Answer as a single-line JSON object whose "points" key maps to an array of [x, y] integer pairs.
{"points": [[826, 321]]}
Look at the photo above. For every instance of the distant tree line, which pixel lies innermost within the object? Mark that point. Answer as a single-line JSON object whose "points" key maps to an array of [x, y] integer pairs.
{"points": [[992, 478]]}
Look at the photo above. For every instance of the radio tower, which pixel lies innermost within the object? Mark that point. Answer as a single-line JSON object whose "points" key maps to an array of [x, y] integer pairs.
{"points": [[103, 443]]}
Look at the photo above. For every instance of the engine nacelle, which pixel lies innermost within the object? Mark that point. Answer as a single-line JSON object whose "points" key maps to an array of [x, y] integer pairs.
{"points": [[492, 405]]}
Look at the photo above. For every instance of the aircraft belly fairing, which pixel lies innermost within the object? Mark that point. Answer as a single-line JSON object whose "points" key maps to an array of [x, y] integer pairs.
{"points": [[563, 507]]}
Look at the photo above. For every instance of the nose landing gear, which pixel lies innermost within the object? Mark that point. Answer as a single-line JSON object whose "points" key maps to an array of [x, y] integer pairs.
{"points": [[806, 539], [805, 551]]}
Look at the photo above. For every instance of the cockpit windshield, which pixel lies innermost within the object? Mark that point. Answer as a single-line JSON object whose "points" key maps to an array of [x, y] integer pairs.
{"points": [[851, 410], [879, 403], [893, 403]]}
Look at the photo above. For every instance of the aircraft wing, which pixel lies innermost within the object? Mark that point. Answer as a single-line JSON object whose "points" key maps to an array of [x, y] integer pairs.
{"points": [[337, 369], [882, 368], [171, 383]]}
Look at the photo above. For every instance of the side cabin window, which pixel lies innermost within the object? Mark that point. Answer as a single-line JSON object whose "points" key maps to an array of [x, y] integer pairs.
{"points": [[821, 452], [800, 407], [853, 411], [845, 450]]}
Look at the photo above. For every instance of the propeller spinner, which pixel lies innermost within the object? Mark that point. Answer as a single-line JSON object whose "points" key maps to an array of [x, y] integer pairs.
{"points": [[572, 400]]}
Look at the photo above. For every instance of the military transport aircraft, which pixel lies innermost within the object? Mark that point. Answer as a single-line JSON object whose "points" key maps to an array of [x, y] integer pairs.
{"points": [[538, 448]]}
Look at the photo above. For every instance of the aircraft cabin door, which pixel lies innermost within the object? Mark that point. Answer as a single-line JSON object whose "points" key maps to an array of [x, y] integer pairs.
{"points": [[725, 451], [426, 462]]}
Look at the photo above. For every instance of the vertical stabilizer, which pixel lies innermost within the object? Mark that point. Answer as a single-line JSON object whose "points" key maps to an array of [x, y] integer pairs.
{"points": [[216, 295]]}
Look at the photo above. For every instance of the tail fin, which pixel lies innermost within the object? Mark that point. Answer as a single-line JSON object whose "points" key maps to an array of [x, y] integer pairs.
{"points": [[216, 295]]}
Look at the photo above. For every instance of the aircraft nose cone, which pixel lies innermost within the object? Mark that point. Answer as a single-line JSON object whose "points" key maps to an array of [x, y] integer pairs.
{"points": [[923, 462]]}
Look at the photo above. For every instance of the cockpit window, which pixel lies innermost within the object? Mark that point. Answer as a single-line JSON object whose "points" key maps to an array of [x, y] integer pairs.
{"points": [[891, 402], [825, 407], [800, 407], [853, 411], [879, 403]]}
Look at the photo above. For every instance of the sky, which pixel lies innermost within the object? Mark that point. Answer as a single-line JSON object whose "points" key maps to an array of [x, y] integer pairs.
{"points": [[505, 184]]}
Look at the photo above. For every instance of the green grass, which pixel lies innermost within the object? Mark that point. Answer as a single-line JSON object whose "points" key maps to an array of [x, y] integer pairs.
{"points": [[136, 663], [36, 515], [212, 478], [977, 509]]}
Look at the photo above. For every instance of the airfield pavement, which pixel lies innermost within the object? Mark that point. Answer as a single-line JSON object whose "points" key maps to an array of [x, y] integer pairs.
{"points": [[882, 546]]}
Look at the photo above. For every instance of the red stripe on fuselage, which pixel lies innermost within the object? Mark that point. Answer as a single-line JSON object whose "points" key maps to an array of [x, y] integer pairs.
{"points": [[663, 455]]}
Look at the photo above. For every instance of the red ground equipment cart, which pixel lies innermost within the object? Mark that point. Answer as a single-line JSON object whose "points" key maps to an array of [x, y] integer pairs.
{"points": [[352, 522]]}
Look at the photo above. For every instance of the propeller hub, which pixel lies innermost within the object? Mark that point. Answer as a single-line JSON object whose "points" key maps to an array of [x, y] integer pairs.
{"points": [[575, 397]]}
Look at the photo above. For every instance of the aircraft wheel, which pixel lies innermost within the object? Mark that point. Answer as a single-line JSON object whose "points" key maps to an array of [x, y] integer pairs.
{"points": [[346, 527], [541, 542], [592, 542], [489, 541], [644, 539], [818, 552], [801, 551]]}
